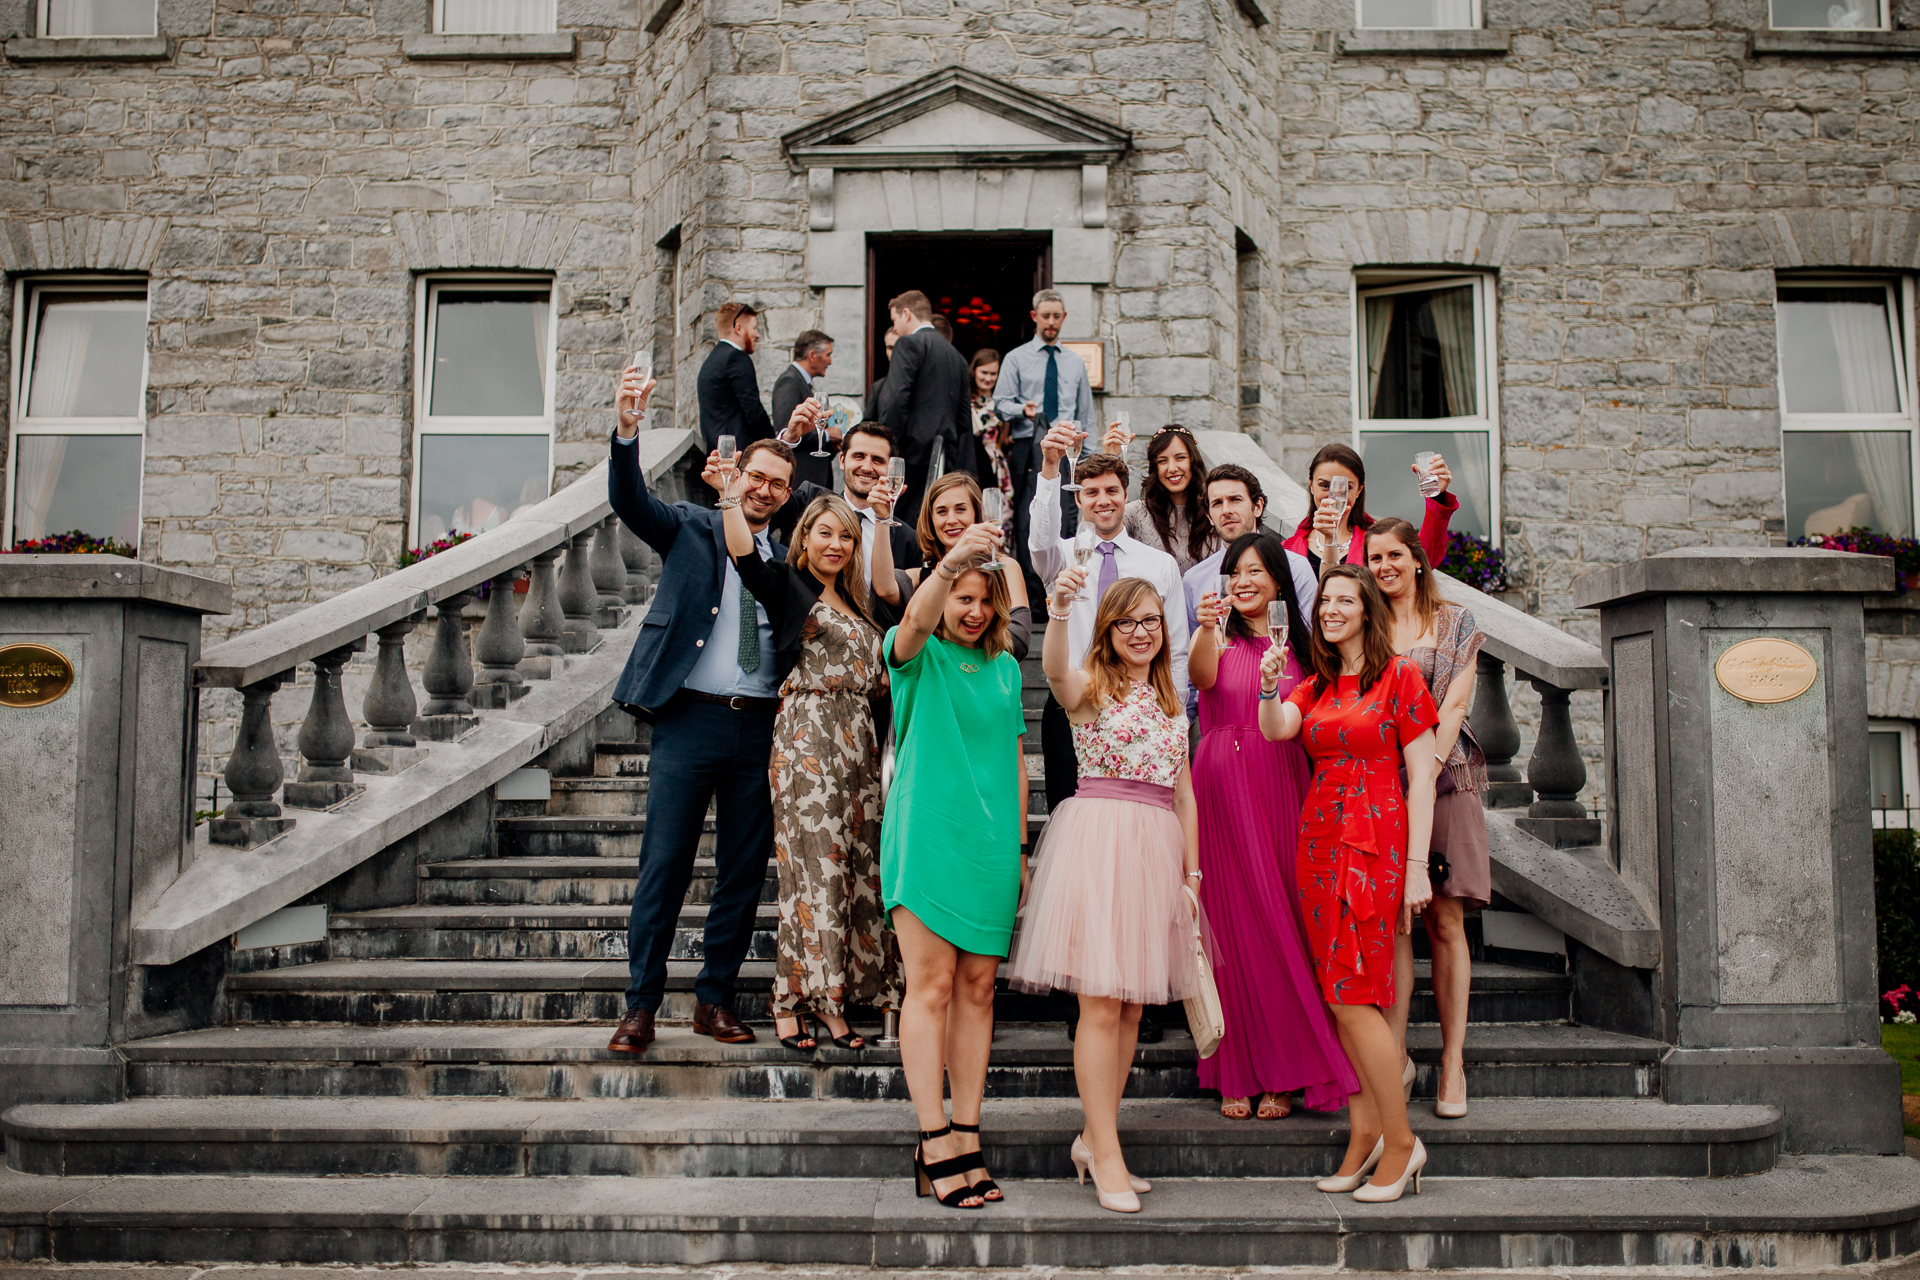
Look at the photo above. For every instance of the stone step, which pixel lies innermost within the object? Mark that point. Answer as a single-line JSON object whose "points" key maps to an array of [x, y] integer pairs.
{"points": [[556, 881], [701, 1138], [1807, 1216], [519, 932], [627, 797], [605, 836], [572, 1061]]}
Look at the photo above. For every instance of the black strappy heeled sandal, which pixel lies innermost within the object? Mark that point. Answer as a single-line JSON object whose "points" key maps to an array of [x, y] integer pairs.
{"points": [[986, 1187], [925, 1175], [847, 1041], [793, 1041]]}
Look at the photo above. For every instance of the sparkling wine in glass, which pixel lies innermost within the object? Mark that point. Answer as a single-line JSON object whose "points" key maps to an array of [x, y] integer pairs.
{"points": [[896, 483], [820, 449], [993, 510], [1085, 543], [643, 362], [1067, 484], [1423, 463], [1338, 488], [1220, 623], [1277, 624], [726, 448], [1124, 422]]}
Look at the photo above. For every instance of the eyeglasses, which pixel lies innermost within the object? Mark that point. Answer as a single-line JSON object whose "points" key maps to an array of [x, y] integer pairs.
{"points": [[760, 480], [1127, 626]]}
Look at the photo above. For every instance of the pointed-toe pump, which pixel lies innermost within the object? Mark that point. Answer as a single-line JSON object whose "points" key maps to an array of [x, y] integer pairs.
{"points": [[1337, 1184], [1082, 1158], [1374, 1193]]}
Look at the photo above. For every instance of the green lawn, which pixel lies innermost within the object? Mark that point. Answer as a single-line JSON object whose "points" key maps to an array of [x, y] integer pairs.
{"points": [[1903, 1042]]}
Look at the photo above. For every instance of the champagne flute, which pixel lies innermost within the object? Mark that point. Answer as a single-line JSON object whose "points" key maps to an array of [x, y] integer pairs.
{"points": [[1085, 543], [1423, 463], [726, 447], [642, 361], [896, 483], [1277, 624], [1067, 484], [1337, 489], [993, 510], [820, 449], [1124, 421], [1220, 622]]}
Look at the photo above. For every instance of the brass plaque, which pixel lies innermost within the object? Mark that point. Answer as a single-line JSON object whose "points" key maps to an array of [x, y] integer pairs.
{"points": [[32, 675], [1766, 669]]}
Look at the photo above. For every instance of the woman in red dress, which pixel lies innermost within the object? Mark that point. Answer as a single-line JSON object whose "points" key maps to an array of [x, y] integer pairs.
{"points": [[1363, 715]]}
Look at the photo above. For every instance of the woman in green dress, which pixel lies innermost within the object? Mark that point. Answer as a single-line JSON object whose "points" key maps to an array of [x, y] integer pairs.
{"points": [[952, 861]]}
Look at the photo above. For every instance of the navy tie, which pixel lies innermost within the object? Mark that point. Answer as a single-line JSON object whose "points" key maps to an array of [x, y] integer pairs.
{"points": [[1050, 398]]}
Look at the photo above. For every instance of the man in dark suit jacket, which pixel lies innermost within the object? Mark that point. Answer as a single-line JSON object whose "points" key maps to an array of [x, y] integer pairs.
{"points": [[925, 399], [812, 357], [706, 673], [871, 411], [729, 389], [863, 463]]}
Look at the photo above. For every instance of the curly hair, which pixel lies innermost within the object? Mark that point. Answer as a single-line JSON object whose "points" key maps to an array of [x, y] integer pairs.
{"points": [[1160, 502]]}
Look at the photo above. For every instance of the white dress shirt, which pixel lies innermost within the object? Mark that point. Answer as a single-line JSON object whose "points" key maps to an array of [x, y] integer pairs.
{"points": [[1132, 557]]}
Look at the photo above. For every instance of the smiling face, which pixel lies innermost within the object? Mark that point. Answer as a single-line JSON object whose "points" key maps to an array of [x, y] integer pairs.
{"points": [[1174, 466], [864, 462], [984, 377], [1231, 510], [969, 610], [1325, 472], [953, 515], [767, 478], [1393, 565], [1138, 650], [830, 545], [1342, 612], [1253, 587], [1103, 500]]}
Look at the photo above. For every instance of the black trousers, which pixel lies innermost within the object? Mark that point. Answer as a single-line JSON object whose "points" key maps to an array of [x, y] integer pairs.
{"points": [[1056, 746]]}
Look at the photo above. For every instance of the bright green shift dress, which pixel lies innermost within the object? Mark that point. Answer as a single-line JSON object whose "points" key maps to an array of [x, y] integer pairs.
{"points": [[950, 841]]}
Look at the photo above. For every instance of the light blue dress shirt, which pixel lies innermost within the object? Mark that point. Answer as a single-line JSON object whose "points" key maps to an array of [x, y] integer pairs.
{"points": [[1023, 377], [718, 669]]}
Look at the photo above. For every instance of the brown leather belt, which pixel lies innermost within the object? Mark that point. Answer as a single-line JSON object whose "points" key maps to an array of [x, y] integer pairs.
{"points": [[738, 702]]}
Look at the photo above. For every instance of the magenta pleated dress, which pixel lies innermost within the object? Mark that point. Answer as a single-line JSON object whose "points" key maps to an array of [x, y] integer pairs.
{"points": [[1280, 1035]]}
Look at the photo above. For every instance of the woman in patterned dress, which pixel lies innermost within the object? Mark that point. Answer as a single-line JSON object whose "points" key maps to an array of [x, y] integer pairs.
{"points": [[834, 947], [1362, 867], [1105, 917]]}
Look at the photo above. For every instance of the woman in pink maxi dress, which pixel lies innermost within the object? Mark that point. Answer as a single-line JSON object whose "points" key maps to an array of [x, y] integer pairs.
{"points": [[1280, 1037]]}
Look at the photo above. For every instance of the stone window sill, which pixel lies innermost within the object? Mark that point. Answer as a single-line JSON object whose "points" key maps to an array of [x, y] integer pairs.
{"points": [[433, 47], [1839, 44], [90, 49], [1423, 40]]}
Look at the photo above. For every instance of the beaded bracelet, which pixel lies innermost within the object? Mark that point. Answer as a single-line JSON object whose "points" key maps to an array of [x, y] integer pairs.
{"points": [[1059, 617], [1269, 697]]}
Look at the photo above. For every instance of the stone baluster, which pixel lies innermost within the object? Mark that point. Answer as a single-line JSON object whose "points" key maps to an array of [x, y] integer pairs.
{"points": [[499, 646], [609, 574], [639, 558], [390, 746], [1557, 775], [542, 621], [326, 738], [253, 773], [578, 597], [448, 675], [1498, 734]]}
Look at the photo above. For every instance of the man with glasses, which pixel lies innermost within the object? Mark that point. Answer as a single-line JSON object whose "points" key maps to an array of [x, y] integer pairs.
{"points": [[705, 674]]}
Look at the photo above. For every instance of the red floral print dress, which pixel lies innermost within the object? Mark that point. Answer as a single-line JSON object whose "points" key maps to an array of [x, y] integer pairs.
{"points": [[1353, 827]]}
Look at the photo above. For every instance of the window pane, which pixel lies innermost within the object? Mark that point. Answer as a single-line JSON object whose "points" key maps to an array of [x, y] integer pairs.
{"points": [[1420, 355], [1836, 351], [1825, 15], [1393, 491], [1416, 13], [100, 18], [469, 484], [489, 354], [1840, 480], [85, 483], [89, 355], [494, 16], [1883, 770]]}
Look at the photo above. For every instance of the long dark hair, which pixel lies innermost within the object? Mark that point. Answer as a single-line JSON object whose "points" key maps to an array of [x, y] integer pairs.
{"points": [[1347, 457], [1160, 502], [1273, 555], [1376, 633]]}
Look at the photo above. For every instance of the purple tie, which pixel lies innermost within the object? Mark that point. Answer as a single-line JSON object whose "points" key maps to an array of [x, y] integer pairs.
{"points": [[1109, 571]]}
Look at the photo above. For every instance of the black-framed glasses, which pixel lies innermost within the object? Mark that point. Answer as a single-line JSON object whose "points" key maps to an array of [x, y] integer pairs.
{"points": [[1152, 622]]}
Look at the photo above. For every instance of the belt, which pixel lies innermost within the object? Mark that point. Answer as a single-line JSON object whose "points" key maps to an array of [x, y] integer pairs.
{"points": [[737, 702], [1125, 789]]}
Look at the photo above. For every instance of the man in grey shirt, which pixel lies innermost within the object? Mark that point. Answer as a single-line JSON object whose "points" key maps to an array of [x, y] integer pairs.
{"points": [[1040, 383]]}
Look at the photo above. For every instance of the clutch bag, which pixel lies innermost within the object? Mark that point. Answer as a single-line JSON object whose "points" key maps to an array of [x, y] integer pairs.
{"points": [[1205, 1018]]}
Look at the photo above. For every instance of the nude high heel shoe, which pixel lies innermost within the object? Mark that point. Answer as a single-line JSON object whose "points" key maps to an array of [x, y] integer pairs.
{"points": [[1083, 1161], [1337, 1183], [1118, 1201], [1372, 1194]]}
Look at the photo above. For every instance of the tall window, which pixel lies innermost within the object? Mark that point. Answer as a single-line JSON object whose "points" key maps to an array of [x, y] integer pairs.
{"points": [[1893, 780], [74, 18], [1419, 13], [492, 17], [483, 449], [80, 410], [1827, 15], [1424, 385], [1848, 428]]}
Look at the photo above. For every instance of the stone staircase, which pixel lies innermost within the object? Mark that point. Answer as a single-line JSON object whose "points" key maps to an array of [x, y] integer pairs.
{"points": [[431, 1083]]}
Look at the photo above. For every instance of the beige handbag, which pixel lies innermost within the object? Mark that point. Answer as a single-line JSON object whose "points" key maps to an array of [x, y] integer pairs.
{"points": [[1205, 1018]]}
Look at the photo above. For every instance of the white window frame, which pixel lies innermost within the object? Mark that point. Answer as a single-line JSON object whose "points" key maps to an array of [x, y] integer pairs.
{"points": [[1886, 21], [1909, 767], [440, 20], [45, 14], [1901, 304], [26, 326], [1479, 20], [1368, 283], [425, 324]]}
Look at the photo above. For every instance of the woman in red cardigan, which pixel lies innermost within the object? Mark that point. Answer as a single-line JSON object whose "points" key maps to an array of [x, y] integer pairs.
{"points": [[1349, 529]]}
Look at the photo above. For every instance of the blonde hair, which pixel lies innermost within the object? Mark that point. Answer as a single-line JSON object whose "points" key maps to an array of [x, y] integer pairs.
{"points": [[1106, 669], [851, 581], [929, 538], [994, 641], [1426, 591]]}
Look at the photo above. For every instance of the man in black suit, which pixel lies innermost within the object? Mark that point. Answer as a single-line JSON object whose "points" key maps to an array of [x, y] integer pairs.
{"points": [[812, 357], [729, 388], [872, 410], [925, 398]]}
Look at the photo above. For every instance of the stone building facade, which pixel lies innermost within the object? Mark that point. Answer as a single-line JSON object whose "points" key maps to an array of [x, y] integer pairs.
{"points": [[1229, 192]]}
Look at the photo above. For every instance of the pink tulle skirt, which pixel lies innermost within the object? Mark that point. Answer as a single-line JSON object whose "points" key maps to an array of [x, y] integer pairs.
{"points": [[1105, 915]]}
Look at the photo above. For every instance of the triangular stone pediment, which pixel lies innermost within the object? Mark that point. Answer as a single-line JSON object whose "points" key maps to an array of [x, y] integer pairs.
{"points": [[954, 118]]}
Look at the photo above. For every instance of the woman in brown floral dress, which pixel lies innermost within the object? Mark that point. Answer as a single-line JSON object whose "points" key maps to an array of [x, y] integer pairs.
{"points": [[835, 947]]}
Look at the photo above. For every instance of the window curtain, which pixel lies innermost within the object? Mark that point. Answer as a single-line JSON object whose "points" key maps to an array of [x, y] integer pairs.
{"points": [[67, 18], [496, 17], [1453, 13], [60, 353], [1883, 460], [39, 460], [1452, 311], [1470, 475], [1865, 346], [1379, 324], [539, 314]]}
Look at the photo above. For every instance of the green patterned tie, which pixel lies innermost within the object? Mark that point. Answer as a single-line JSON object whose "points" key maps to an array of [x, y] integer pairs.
{"points": [[749, 632]]}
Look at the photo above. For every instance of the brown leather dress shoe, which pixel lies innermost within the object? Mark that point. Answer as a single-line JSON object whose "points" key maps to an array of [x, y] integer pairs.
{"points": [[717, 1020], [635, 1032]]}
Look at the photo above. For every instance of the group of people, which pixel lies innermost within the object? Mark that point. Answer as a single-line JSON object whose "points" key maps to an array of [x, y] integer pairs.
{"points": [[1255, 750]]}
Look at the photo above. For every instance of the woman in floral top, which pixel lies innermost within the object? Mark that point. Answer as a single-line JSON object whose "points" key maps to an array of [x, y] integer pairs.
{"points": [[1362, 864]]}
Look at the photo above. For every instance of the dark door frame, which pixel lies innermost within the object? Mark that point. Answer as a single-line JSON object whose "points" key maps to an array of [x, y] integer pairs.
{"points": [[876, 305]]}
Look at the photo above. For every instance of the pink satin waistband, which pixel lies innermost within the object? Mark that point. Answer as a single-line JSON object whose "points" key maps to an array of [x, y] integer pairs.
{"points": [[1124, 789]]}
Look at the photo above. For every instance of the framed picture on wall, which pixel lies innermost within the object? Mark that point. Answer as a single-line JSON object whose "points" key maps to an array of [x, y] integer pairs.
{"points": [[1094, 352]]}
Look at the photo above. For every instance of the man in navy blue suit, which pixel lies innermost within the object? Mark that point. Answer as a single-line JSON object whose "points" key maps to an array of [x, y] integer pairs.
{"points": [[705, 673]]}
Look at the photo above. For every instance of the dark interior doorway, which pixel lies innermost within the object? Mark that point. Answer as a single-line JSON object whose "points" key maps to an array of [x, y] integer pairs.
{"points": [[983, 284]]}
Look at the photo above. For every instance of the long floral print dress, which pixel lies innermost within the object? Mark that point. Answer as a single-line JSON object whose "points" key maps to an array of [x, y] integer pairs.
{"points": [[835, 947], [1352, 860]]}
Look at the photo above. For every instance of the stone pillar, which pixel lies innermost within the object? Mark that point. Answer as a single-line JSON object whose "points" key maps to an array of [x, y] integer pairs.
{"points": [[98, 717], [253, 773], [390, 746], [1557, 775], [638, 557], [1498, 734], [609, 574], [542, 621], [500, 646], [326, 738], [447, 675], [579, 598], [1736, 755]]}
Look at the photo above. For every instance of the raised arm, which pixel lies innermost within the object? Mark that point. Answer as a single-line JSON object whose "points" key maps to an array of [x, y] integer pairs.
{"points": [[930, 601], [886, 587], [1418, 755], [656, 523], [1279, 720], [1069, 683], [1203, 655]]}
